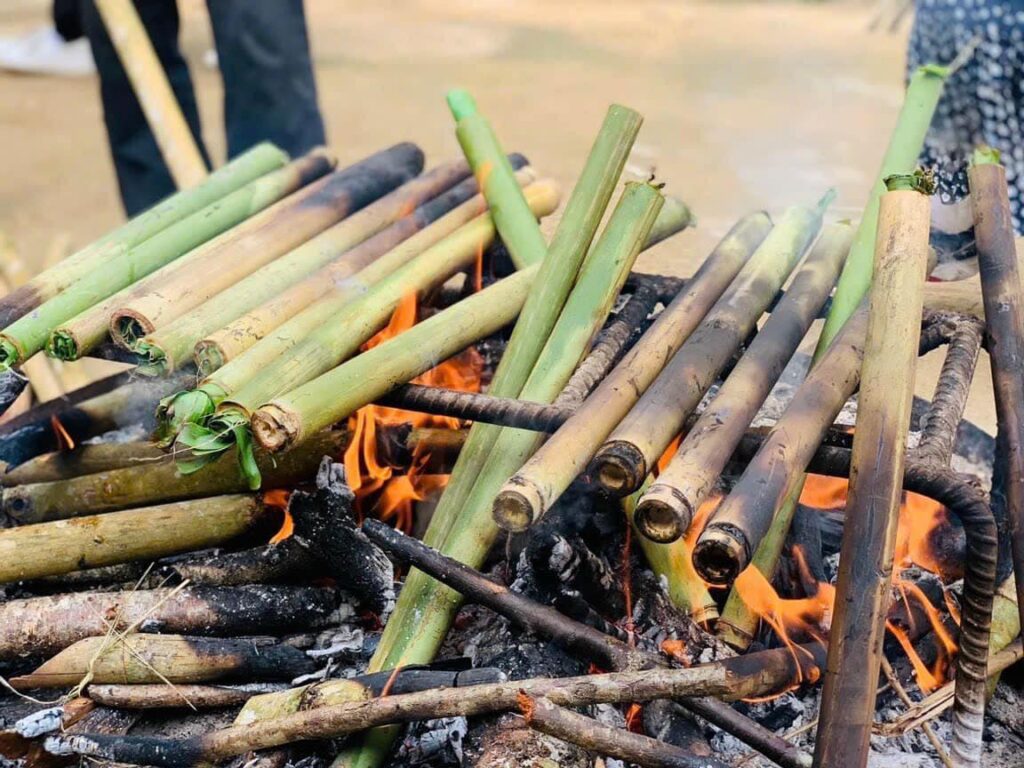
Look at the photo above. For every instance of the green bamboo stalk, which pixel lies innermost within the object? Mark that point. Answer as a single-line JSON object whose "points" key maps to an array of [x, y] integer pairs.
{"points": [[245, 168], [168, 347], [516, 224], [26, 336], [345, 285]]}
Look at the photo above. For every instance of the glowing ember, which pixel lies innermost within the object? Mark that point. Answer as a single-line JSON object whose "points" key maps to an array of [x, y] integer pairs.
{"points": [[64, 440]]}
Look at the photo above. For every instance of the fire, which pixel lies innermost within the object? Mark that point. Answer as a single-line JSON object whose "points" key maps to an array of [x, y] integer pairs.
{"points": [[378, 490], [279, 498], [64, 440]]}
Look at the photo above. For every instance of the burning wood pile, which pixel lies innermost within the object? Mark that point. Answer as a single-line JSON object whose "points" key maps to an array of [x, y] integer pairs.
{"points": [[412, 465]]}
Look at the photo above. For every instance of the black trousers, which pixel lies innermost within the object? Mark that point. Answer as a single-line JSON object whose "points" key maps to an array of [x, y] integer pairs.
{"points": [[269, 89]]}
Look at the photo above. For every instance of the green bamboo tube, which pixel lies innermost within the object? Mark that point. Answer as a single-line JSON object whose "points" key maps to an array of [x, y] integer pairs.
{"points": [[512, 217], [269, 236], [167, 348], [300, 414], [142, 484], [83, 460], [420, 230], [245, 168], [665, 512], [26, 336], [743, 519], [566, 454], [50, 549], [876, 478], [632, 449], [441, 238], [473, 532]]}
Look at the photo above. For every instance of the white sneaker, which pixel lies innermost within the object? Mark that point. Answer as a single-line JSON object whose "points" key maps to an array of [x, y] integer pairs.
{"points": [[44, 52]]}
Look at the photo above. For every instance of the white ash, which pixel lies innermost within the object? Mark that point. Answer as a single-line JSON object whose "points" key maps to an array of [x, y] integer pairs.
{"points": [[44, 721], [438, 742]]}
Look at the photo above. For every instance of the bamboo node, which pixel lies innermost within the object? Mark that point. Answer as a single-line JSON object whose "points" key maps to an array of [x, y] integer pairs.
{"points": [[514, 509], [663, 514]]}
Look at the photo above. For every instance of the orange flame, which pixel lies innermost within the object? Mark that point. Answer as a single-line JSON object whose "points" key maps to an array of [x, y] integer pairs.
{"points": [[279, 498], [64, 440]]}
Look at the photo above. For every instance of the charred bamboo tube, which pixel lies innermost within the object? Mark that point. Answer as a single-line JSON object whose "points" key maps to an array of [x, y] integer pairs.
{"points": [[257, 565], [550, 471], [45, 625], [742, 677], [173, 345], [629, 453], [440, 217], [271, 234], [120, 537], [124, 266], [744, 517], [876, 477], [667, 509], [83, 460], [634, 748], [1004, 322], [163, 696], [512, 216], [247, 167], [149, 82], [140, 659], [296, 417], [145, 484]]}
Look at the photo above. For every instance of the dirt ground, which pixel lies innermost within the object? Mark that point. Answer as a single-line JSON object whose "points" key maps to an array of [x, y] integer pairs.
{"points": [[747, 104]]}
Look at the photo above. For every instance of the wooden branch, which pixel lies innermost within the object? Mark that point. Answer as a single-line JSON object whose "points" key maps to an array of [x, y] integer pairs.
{"points": [[163, 696]]}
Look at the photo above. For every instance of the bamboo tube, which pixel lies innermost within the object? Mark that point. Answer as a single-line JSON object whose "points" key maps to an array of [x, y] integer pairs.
{"points": [[273, 233], [667, 509], [1004, 305], [742, 520], [296, 417], [170, 346], [442, 215], [876, 477], [550, 471], [26, 336], [247, 167], [512, 216], [49, 549], [631, 450], [150, 483], [83, 460], [346, 285], [44, 625], [138, 659], [151, 87]]}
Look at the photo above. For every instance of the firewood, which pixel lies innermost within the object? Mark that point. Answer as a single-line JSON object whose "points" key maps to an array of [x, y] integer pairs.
{"points": [[631, 450], [44, 625], [281, 561], [45, 549], [141, 658], [876, 476], [163, 696], [124, 266], [667, 508], [83, 460]]}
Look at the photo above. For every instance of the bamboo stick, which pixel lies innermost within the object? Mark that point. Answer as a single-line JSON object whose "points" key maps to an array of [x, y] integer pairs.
{"points": [[44, 625], [440, 216], [667, 509], [876, 477], [247, 167], [174, 344], [143, 484], [149, 82], [163, 696], [136, 659], [631, 450], [297, 416], [512, 216], [438, 249], [82, 460], [123, 266], [1004, 305], [273, 233], [120, 537], [744, 517]]}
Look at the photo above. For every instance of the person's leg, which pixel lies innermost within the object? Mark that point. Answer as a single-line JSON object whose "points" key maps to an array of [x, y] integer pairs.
{"points": [[141, 172], [269, 89]]}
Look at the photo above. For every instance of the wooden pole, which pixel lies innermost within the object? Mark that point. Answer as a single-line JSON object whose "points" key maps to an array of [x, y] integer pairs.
{"points": [[149, 81], [876, 478]]}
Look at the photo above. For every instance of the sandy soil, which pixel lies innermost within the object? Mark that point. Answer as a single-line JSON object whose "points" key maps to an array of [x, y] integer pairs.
{"points": [[747, 104]]}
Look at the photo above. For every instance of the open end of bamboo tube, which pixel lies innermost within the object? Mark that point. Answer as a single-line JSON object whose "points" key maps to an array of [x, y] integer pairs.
{"points": [[63, 346], [9, 354], [179, 409], [620, 468], [721, 554], [274, 428], [128, 328], [663, 515], [208, 356], [154, 359], [515, 510]]}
